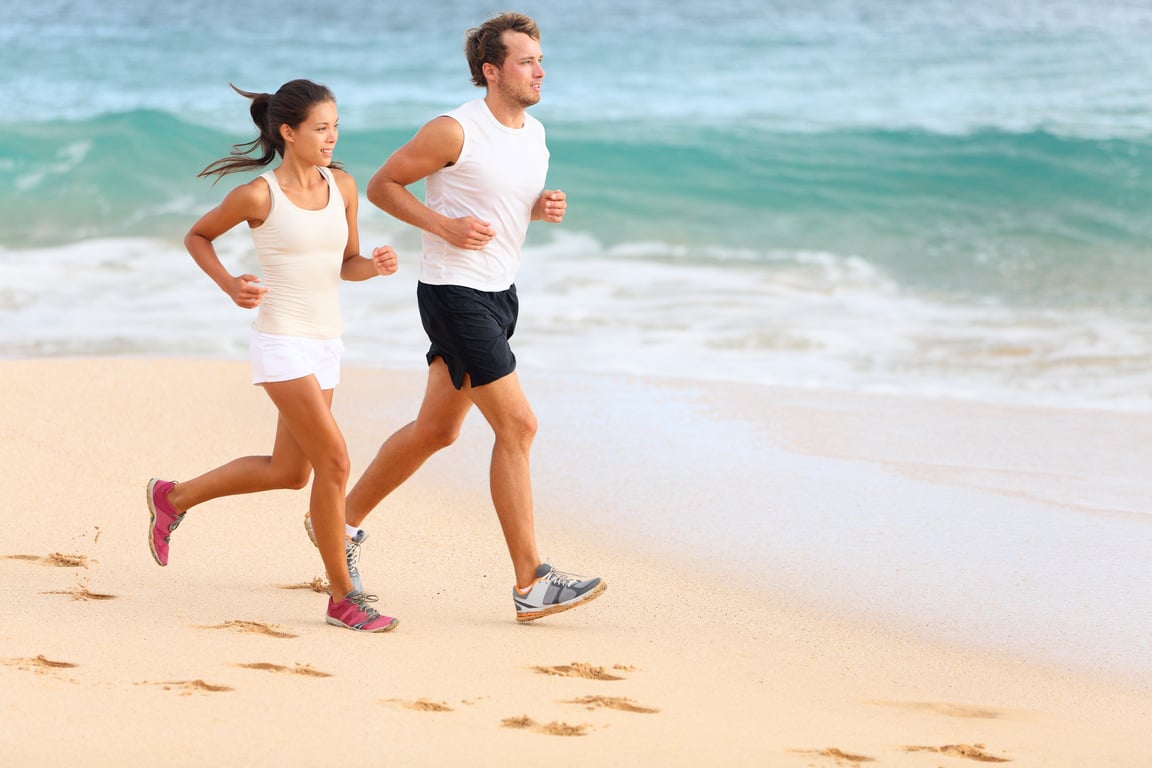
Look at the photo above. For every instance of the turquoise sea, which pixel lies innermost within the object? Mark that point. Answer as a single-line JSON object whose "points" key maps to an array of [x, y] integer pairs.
{"points": [[868, 195]]}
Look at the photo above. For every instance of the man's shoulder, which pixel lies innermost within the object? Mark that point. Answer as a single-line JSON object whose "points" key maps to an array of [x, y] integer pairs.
{"points": [[441, 127], [468, 109]]}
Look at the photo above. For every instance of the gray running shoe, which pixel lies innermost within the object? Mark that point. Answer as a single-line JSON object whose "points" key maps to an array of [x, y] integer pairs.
{"points": [[351, 551], [554, 591]]}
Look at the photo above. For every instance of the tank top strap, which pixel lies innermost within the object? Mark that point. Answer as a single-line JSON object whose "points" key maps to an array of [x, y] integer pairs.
{"points": [[273, 188], [334, 196]]}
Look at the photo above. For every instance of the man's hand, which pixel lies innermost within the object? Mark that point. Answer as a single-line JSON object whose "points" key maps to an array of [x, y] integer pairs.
{"points": [[550, 206], [468, 232]]}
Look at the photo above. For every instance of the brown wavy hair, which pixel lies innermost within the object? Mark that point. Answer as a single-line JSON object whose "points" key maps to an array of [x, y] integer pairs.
{"points": [[485, 44]]}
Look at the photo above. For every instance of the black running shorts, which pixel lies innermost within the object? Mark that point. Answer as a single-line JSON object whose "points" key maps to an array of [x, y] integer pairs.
{"points": [[470, 329]]}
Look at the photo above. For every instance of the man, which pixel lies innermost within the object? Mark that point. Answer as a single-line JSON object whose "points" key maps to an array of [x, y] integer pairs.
{"points": [[484, 166]]}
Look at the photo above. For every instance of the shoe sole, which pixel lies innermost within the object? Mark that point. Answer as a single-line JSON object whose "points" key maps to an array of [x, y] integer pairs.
{"points": [[337, 623], [152, 524], [533, 615]]}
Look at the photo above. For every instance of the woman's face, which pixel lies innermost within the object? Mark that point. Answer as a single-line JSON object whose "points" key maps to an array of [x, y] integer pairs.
{"points": [[313, 140]]}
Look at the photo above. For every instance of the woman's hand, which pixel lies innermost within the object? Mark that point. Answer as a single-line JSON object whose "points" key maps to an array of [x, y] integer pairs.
{"points": [[246, 291], [385, 260]]}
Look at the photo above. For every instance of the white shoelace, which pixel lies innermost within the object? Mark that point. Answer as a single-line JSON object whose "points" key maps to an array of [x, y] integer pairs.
{"points": [[563, 579]]}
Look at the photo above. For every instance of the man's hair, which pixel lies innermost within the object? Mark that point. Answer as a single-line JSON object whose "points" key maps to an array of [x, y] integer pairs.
{"points": [[485, 44]]}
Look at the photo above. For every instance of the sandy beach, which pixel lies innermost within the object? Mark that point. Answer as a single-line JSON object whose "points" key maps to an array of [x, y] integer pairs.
{"points": [[690, 658]]}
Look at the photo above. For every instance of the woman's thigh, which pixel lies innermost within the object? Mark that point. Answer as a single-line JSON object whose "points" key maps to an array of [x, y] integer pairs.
{"points": [[306, 427]]}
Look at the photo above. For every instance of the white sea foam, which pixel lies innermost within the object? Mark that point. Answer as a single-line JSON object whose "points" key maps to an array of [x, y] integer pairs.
{"points": [[797, 319], [67, 158]]}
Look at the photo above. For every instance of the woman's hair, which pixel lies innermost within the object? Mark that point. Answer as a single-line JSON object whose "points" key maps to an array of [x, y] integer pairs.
{"points": [[288, 106], [485, 44]]}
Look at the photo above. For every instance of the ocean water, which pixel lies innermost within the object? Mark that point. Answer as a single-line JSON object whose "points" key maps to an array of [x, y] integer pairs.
{"points": [[866, 195]]}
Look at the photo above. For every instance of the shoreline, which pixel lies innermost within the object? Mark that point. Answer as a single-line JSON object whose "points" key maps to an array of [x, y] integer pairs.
{"points": [[738, 675], [955, 522]]}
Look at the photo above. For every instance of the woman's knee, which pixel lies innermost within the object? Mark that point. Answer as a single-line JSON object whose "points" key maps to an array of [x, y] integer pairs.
{"points": [[335, 465], [291, 478]]}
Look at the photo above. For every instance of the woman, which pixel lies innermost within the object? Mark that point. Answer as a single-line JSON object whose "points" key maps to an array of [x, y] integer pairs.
{"points": [[302, 215]]}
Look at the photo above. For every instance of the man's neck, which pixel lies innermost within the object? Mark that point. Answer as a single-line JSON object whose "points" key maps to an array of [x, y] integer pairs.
{"points": [[511, 115]]}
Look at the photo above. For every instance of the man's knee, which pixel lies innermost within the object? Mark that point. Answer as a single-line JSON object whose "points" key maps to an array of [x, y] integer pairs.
{"points": [[528, 426], [438, 435], [519, 427]]}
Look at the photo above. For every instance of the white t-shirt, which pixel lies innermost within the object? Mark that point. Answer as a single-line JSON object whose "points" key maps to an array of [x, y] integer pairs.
{"points": [[498, 177]]}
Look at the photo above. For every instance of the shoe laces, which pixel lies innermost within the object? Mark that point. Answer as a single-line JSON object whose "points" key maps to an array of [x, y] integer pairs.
{"points": [[560, 578], [352, 551], [173, 525], [361, 600]]}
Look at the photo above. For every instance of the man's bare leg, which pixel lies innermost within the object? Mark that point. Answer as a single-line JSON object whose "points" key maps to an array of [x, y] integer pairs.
{"points": [[506, 408], [437, 426]]}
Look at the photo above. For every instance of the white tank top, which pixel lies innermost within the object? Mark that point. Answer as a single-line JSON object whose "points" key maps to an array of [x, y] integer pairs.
{"points": [[301, 253], [500, 173]]}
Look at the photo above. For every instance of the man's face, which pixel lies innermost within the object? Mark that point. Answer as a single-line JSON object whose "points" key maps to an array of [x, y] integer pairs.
{"points": [[519, 78]]}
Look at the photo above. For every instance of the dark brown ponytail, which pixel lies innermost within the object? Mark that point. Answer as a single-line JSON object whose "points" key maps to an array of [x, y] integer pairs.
{"points": [[288, 106]]}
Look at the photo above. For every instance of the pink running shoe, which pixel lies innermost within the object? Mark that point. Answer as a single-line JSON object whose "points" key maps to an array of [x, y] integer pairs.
{"points": [[353, 612], [165, 518]]}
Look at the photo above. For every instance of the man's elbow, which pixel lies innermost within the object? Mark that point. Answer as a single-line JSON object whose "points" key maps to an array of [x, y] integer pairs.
{"points": [[379, 190]]}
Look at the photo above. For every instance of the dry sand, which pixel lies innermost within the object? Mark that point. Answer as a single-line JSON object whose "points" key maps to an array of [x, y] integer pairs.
{"points": [[223, 658]]}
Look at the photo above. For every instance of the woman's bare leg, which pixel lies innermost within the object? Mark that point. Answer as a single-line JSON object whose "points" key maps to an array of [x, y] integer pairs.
{"points": [[306, 413], [287, 468]]}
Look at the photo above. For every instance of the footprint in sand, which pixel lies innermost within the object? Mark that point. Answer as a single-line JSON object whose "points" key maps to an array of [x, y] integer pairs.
{"points": [[42, 666], [251, 627], [841, 757], [554, 728], [423, 705], [299, 669], [611, 702], [580, 669], [975, 752], [81, 592], [38, 664], [316, 585], [55, 560], [189, 687], [943, 708]]}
